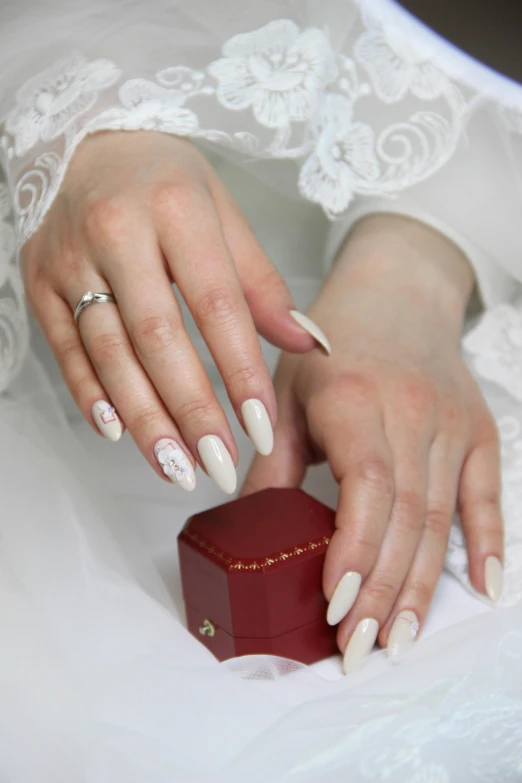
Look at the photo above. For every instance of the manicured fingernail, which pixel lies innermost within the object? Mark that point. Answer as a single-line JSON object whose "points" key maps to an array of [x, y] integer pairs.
{"points": [[218, 462], [312, 328], [175, 464], [402, 635], [258, 426], [343, 598], [360, 644], [493, 577], [107, 420]]}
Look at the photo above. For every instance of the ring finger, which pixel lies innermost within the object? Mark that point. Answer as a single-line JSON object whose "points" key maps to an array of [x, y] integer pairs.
{"points": [[413, 602], [358, 632], [162, 348], [129, 388], [76, 368]]}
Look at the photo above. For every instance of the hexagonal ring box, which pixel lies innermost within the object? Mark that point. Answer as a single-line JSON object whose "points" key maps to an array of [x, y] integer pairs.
{"points": [[251, 573]]}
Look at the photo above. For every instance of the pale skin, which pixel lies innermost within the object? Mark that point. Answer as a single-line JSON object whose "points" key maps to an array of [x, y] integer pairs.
{"points": [[394, 409], [398, 417], [136, 212]]}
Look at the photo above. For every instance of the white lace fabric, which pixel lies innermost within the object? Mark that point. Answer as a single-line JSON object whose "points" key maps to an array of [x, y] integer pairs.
{"points": [[292, 95], [368, 103]]}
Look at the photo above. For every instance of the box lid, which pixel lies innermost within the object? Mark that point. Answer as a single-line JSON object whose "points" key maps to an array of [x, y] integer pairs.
{"points": [[255, 564]]}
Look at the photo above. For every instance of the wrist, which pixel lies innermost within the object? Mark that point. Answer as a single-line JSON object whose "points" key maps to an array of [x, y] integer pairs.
{"points": [[407, 259]]}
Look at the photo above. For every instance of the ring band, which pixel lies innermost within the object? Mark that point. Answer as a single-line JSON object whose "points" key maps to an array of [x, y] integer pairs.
{"points": [[89, 299]]}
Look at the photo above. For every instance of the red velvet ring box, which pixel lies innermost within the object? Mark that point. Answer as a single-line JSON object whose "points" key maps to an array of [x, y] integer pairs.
{"points": [[251, 573]]}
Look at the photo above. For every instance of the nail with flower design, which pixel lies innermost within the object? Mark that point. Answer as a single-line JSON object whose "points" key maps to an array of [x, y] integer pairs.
{"points": [[175, 464], [107, 420]]}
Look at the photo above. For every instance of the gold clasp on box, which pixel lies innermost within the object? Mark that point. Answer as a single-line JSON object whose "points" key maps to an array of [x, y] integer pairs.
{"points": [[208, 628]]}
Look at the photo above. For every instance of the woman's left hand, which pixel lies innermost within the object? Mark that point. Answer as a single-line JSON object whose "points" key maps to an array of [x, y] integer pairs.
{"points": [[403, 426]]}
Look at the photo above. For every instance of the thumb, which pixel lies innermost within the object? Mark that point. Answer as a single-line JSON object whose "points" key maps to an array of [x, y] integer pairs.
{"points": [[266, 293], [286, 465]]}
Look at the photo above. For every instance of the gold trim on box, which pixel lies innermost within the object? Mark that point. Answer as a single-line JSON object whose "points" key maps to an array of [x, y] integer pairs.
{"points": [[255, 565]]}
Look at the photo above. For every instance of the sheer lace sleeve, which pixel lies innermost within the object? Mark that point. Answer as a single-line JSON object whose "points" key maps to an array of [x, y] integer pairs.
{"points": [[474, 200], [369, 106], [367, 102]]}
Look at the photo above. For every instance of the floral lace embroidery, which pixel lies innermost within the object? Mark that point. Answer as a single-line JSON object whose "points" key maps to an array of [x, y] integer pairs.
{"points": [[343, 159], [279, 71], [308, 102], [289, 80], [14, 333], [496, 347], [396, 67], [48, 103]]}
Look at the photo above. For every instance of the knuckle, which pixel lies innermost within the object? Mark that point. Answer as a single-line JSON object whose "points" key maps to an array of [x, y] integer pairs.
{"points": [[217, 307], [176, 199], [381, 592], [197, 412], [456, 416], [365, 546], [155, 334], [417, 397], [491, 530], [108, 218], [408, 512], [487, 505], [376, 475], [147, 420], [108, 349], [269, 282], [438, 522], [245, 377], [420, 594], [70, 267], [67, 352]]}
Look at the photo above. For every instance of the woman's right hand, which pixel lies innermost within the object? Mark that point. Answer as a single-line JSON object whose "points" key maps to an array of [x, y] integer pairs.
{"points": [[135, 213]]}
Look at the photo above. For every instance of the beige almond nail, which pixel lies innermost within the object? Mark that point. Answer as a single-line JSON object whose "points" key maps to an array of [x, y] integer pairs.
{"points": [[107, 420], [493, 577], [218, 462], [258, 426], [311, 327], [343, 598], [402, 635], [360, 644]]}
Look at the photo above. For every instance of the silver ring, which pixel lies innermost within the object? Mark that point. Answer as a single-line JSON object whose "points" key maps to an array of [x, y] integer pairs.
{"points": [[90, 298]]}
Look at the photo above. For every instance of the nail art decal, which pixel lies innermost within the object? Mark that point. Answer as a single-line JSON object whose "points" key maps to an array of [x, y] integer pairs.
{"points": [[402, 635], [494, 577], [107, 421], [175, 464]]}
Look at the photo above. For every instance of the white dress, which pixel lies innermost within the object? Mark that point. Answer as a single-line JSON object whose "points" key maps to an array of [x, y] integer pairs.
{"points": [[314, 113]]}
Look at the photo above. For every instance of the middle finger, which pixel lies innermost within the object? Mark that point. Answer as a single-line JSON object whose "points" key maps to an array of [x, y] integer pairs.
{"points": [[153, 321], [200, 263], [358, 632]]}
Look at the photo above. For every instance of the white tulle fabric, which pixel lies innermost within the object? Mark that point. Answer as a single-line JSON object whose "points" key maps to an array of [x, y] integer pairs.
{"points": [[99, 681], [351, 106]]}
